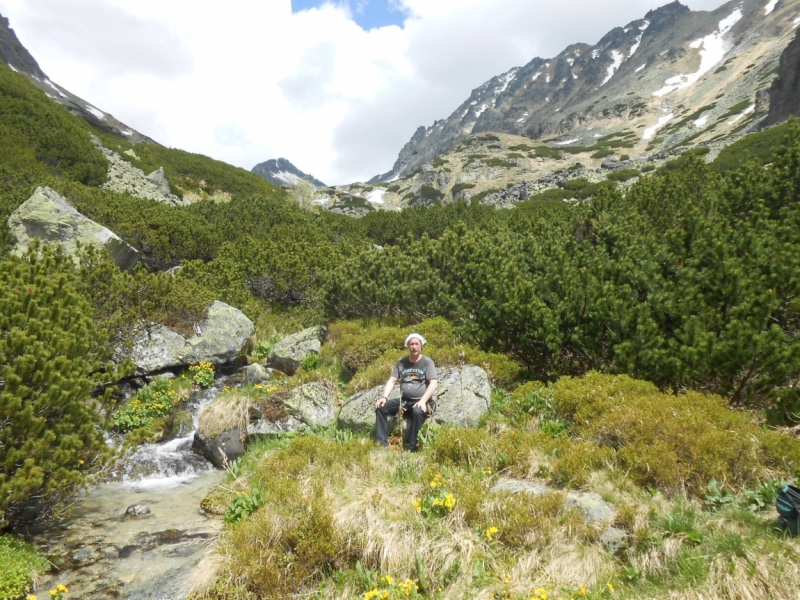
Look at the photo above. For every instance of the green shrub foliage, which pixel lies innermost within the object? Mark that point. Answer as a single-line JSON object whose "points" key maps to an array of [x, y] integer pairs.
{"points": [[687, 280], [50, 360], [20, 562]]}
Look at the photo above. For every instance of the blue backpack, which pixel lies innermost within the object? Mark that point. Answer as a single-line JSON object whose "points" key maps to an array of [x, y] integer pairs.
{"points": [[788, 505]]}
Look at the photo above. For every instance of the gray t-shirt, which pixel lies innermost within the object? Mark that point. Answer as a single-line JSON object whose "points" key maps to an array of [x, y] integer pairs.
{"points": [[414, 377]]}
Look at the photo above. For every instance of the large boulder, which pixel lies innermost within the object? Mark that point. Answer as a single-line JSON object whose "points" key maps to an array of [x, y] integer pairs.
{"points": [[462, 398], [287, 354], [220, 450], [48, 216], [219, 339], [310, 404]]}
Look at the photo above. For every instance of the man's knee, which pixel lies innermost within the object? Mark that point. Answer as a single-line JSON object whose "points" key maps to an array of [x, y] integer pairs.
{"points": [[418, 414]]}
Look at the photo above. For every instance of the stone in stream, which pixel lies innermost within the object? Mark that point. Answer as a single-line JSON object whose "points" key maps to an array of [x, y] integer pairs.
{"points": [[220, 450], [462, 398], [137, 510]]}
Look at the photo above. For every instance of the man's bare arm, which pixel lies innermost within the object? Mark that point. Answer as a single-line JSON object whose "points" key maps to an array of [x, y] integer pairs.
{"points": [[432, 385], [387, 389]]}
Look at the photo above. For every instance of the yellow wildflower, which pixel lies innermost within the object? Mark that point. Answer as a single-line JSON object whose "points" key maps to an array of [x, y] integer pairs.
{"points": [[371, 594], [62, 588], [384, 595], [490, 531], [418, 505], [582, 591], [30, 597], [610, 587], [388, 580]]}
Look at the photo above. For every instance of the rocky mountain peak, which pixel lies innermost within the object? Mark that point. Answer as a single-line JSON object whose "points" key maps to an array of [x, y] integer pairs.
{"points": [[14, 54], [671, 62], [281, 171]]}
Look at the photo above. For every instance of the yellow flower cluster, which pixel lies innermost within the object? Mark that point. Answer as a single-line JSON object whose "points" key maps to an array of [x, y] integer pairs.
{"points": [[491, 531], [266, 388], [418, 505], [405, 588], [436, 481], [448, 502], [539, 594], [204, 366], [487, 471]]}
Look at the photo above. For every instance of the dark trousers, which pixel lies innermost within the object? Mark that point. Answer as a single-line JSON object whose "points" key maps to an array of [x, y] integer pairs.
{"points": [[415, 417]]}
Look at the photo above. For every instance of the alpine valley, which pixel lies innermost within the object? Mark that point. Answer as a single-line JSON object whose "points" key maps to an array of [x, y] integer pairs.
{"points": [[600, 252]]}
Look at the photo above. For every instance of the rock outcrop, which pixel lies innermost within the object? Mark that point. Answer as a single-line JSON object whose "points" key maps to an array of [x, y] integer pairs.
{"points": [[784, 93], [592, 507], [48, 216], [219, 338], [462, 398], [123, 178], [288, 354], [311, 404]]}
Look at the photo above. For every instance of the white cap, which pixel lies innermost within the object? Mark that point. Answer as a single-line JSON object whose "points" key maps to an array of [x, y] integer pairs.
{"points": [[412, 336]]}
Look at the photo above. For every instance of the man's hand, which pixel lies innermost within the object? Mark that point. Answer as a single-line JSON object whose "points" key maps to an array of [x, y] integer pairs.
{"points": [[422, 405], [381, 401]]}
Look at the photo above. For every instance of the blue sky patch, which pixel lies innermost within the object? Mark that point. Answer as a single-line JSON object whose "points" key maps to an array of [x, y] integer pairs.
{"points": [[368, 14]]}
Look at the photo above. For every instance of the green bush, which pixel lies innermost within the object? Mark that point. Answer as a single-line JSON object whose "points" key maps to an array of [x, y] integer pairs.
{"points": [[20, 563], [51, 357], [675, 442], [603, 153], [623, 174]]}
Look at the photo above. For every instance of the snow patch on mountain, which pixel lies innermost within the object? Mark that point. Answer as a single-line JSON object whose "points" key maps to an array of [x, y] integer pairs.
{"points": [[375, 196], [712, 51], [742, 114], [770, 6], [651, 131], [640, 68], [96, 112], [617, 57]]}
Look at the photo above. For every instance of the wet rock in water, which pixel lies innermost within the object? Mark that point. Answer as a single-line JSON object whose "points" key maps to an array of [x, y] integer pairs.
{"points": [[220, 450], [84, 557], [110, 552], [177, 425], [137, 510], [288, 354]]}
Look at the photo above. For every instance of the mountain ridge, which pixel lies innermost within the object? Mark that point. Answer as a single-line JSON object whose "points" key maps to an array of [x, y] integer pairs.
{"points": [[281, 172], [659, 61]]}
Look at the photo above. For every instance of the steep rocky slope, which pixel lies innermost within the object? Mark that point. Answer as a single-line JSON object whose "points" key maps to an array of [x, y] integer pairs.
{"points": [[784, 93], [673, 77], [16, 56]]}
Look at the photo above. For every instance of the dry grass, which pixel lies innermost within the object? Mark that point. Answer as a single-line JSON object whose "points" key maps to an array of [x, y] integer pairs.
{"points": [[381, 529], [228, 411]]}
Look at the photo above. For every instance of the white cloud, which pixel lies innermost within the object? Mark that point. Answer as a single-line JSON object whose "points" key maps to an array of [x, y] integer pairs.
{"points": [[247, 80]]}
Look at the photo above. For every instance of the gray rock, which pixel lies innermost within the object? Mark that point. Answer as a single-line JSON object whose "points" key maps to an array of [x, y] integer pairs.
{"points": [[358, 412], [85, 557], [613, 539], [463, 396], [287, 354], [137, 510], [312, 404], [159, 179], [124, 178], [595, 510], [48, 216], [109, 552], [257, 373], [264, 428], [221, 336], [225, 448]]}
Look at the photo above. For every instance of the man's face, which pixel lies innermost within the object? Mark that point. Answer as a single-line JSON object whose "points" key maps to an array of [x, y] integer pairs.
{"points": [[414, 346]]}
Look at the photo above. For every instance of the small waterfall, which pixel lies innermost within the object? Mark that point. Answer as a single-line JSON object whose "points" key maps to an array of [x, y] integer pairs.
{"points": [[171, 463], [107, 554]]}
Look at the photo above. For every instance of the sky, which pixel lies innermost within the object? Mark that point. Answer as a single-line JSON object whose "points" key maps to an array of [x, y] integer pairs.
{"points": [[335, 86]]}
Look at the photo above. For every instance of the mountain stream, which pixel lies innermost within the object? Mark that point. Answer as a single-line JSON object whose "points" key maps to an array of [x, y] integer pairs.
{"points": [[103, 553]]}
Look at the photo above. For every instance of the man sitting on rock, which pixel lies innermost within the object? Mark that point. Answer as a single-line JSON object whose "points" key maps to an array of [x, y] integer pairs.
{"points": [[418, 381]]}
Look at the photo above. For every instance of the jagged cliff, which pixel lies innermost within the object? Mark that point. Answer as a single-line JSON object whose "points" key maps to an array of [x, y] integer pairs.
{"points": [[784, 93]]}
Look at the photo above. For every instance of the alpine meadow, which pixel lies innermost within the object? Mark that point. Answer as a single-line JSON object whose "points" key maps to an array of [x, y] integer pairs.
{"points": [[614, 324]]}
